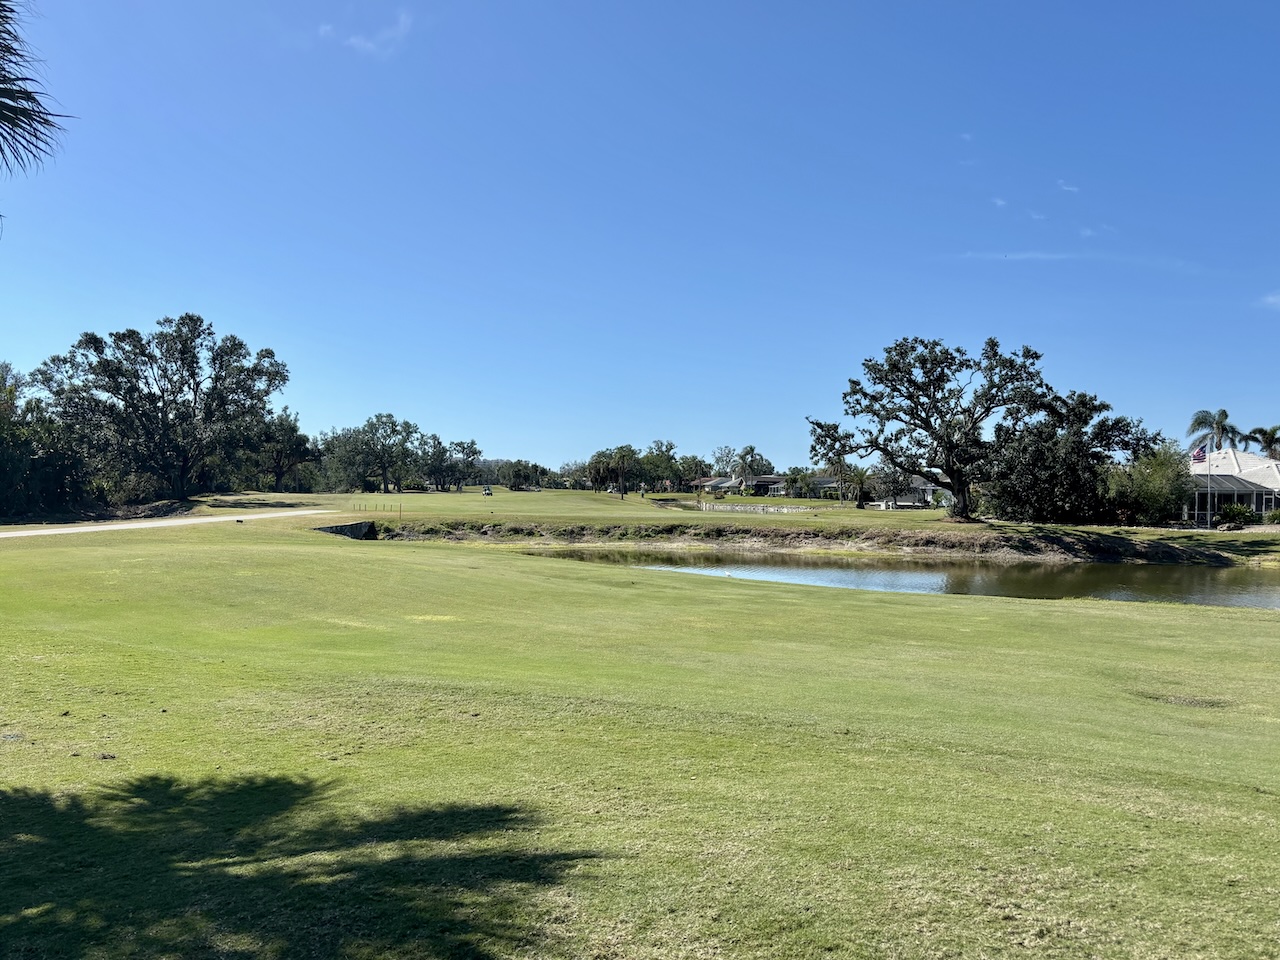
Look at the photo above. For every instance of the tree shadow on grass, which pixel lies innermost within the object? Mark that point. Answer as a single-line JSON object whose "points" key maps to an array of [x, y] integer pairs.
{"points": [[1101, 547], [254, 869], [1247, 545]]}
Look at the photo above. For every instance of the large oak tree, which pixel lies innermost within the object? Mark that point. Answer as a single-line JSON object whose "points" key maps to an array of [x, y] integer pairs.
{"points": [[929, 410], [163, 404]]}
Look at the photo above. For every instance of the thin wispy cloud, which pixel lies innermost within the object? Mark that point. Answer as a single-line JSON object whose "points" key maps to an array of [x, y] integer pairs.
{"points": [[999, 202], [1087, 232], [1063, 185], [1148, 263], [1036, 215], [381, 43], [967, 137], [1271, 301], [1022, 255]]}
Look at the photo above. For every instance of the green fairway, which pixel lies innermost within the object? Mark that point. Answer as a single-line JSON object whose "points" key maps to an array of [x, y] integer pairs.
{"points": [[252, 740], [572, 506]]}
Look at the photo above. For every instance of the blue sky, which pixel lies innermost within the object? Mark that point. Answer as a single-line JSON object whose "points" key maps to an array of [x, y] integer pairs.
{"points": [[559, 226]]}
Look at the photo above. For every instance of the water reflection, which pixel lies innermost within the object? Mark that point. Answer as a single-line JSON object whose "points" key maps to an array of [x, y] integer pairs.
{"points": [[1171, 583]]}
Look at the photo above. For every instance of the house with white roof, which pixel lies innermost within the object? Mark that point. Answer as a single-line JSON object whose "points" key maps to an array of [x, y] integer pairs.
{"points": [[1233, 476]]}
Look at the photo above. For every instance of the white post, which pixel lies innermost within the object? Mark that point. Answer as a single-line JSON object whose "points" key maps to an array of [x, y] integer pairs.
{"points": [[1208, 497]]}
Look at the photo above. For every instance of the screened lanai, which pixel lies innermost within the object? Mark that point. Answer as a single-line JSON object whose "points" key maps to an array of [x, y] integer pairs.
{"points": [[1211, 492], [1232, 476]]}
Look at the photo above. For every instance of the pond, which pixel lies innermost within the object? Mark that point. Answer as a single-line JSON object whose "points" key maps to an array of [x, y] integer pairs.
{"points": [[1169, 583]]}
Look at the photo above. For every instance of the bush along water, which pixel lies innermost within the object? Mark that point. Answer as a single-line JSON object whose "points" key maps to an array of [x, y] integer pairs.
{"points": [[1236, 513]]}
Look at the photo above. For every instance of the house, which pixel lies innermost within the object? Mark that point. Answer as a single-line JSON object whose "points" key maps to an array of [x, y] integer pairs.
{"points": [[827, 487], [760, 486], [722, 485], [919, 496], [1232, 476]]}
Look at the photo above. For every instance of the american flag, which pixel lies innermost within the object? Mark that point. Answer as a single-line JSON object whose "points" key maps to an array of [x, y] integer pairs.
{"points": [[1198, 454]]}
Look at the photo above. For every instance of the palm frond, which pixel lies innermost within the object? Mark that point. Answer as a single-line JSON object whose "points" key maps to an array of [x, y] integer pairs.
{"points": [[29, 129]]}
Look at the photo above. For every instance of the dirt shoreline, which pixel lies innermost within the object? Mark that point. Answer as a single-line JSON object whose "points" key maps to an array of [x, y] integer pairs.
{"points": [[988, 544]]}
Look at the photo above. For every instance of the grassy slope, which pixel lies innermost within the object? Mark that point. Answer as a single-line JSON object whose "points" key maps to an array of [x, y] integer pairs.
{"points": [[550, 505], [567, 506], [440, 749]]}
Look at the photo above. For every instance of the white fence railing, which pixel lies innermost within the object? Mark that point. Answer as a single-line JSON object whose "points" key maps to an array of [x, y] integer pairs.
{"points": [[764, 507]]}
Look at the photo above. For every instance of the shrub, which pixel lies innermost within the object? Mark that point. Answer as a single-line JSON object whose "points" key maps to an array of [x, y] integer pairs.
{"points": [[1153, 489], [1236, 513], [1273, 517]]}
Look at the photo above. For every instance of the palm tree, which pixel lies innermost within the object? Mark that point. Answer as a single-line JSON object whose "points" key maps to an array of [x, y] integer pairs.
{"points": [[857, 479], [796, 479], [1268, 439], [1208, 426], [624, 458], [28, 128], [744, 464], [837, 467]]}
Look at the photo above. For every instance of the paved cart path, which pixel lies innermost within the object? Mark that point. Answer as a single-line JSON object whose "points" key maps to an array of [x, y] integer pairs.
{"points": [[170, 522]]}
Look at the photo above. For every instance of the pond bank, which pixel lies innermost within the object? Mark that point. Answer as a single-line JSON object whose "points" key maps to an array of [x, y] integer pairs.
{"points": [[991, 543]]}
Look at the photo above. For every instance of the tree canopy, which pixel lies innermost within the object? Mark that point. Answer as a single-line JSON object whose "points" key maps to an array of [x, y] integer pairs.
{"points": [[929, 409], [1056, 467], [750, 462], [389, 447], [623, 461], [658, 465], [166, 404], [521, 474], [282, 447], [1154, 488], [830, 448], [387, 452], [722, 460], [40, 471], [135, 416]]}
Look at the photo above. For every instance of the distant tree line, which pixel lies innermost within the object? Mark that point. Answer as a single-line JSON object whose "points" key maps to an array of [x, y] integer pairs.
{"points": [[387, 454], [135, 417], [625, 468]]}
